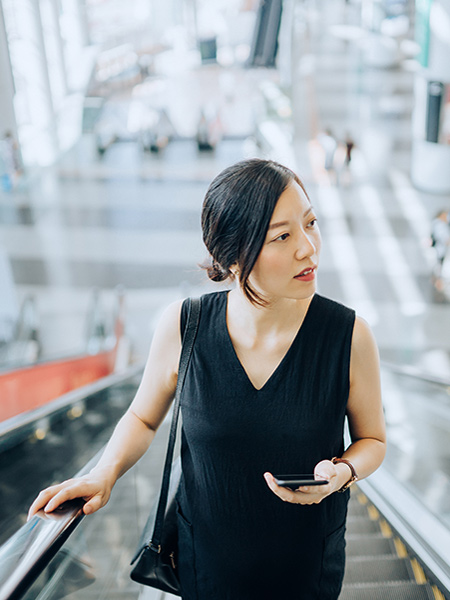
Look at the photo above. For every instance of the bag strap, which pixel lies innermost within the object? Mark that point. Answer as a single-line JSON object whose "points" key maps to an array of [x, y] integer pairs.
{"points": [[190, 332]]}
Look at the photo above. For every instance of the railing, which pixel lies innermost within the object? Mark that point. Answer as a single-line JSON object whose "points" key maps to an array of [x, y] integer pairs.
{"points": [[412, 487], [26, 559], [28, 553], [100, 546], [97, 553], [414, 372]]}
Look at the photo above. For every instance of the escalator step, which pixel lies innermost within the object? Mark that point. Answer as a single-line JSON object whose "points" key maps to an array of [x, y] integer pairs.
{"points": [[363, 545], [375, 569], [362, 525], [355, 509], [354, 502], [387, 591]]}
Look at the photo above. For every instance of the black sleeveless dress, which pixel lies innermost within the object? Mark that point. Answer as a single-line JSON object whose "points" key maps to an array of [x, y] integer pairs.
{"points": [[237, 540]]}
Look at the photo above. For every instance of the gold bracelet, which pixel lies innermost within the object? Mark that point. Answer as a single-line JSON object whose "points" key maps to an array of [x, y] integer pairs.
{"points": [[354, 476]]}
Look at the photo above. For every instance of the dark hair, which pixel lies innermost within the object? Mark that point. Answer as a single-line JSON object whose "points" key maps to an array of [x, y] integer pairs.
{"points": [[236, 214]]}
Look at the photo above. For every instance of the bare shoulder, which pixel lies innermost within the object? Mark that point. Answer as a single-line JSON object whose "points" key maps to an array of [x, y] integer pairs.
{"points": [[158, 382], [169, 322], [167, 338], [160, 375], [364, 348], [362, 333]]}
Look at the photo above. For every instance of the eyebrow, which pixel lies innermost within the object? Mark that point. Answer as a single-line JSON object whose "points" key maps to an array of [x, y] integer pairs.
{"points": [[284, 223]]}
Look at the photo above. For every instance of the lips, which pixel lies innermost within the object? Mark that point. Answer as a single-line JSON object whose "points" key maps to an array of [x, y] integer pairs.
{"points": [[307, 274]]}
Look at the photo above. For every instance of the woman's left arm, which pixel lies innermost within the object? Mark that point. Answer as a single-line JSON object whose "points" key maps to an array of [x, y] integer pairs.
{"points": [[364, 407], [366, 424]]}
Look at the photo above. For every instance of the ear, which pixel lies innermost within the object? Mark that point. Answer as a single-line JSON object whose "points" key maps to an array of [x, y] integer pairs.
{"points": [[234, 270]]}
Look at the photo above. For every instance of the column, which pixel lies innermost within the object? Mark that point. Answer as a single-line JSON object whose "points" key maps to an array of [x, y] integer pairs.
{"points": [[7, 116], [35, 116], [81, 11], [50, 10], [431, 119]]}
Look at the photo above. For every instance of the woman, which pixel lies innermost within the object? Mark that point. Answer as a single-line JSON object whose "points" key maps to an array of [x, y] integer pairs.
{"points": [[274, 371]]}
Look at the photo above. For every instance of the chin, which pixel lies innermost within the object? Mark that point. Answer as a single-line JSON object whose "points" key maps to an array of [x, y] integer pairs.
{"points": [[307, 292], [303, 294]]}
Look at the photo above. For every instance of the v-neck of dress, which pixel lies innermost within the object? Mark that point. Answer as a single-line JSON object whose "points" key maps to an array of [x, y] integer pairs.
{"points": [[285, 356]]}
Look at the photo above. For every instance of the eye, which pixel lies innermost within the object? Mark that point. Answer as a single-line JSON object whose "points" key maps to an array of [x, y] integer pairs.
{"points": [[313, 222], [283, 237]]}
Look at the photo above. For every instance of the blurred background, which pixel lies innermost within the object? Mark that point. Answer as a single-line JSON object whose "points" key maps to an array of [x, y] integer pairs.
{"points": [[114, 118]]}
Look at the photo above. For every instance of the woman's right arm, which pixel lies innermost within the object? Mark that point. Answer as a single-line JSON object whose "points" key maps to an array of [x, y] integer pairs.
{"points": [[135, 430]]}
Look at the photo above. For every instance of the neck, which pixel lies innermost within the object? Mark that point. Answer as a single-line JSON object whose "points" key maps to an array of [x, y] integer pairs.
{"points": [[279, 314]]}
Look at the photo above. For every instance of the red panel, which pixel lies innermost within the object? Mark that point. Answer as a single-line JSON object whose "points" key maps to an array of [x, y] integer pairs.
{"points": [[30, 387]]}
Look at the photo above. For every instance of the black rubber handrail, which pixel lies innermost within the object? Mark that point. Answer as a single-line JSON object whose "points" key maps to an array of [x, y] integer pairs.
{"points": [[26, 554]]}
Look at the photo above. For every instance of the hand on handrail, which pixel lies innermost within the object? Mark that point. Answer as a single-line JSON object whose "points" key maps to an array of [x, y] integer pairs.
{"points": [[94, 488]]}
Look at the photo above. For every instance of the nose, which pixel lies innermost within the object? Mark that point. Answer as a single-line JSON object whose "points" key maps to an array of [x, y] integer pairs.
{"points": [[305, 246]]}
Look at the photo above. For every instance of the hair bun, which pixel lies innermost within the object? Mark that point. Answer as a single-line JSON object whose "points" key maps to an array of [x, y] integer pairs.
{"points": [[216, 272]]}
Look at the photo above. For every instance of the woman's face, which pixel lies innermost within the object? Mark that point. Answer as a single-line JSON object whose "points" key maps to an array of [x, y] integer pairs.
{"points": [[286, 266]]}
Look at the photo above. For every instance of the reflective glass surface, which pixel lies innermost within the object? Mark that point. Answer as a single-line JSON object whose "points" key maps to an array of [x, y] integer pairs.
{"points": [[418, 425]]}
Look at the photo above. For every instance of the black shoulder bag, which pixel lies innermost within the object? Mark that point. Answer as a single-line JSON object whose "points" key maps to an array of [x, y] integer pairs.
{"points": [[156, 558]]}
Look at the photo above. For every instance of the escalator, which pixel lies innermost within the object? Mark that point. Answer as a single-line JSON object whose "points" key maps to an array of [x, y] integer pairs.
{"points": [[50, 444], [398, 537], [50, 423], [379, 565]]}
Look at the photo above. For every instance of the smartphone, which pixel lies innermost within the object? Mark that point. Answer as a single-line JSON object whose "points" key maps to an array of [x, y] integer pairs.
{"points": [[295, 481]]}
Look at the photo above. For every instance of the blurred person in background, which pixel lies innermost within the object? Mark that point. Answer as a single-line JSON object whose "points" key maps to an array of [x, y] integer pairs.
{"points": [[440, 241], [329, 146]]}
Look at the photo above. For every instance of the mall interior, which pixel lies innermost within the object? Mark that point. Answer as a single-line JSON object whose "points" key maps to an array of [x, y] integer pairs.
{"points": [[114, 118]]}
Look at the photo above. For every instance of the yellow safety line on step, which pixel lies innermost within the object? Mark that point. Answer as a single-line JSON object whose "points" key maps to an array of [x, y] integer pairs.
{"points": [[418, 572], [385, 529], [373, 513], [438, 595], [400, 548]]}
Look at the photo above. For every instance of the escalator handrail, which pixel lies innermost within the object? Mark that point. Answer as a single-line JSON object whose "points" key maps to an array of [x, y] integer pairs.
{"points": [[14, 423], [28, 552], [411, 371]]}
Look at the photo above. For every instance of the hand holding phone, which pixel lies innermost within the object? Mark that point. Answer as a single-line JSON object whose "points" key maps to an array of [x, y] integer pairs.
{"points": [[295, 481]]}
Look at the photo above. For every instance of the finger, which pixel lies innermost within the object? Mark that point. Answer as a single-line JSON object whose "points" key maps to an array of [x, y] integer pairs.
{"points": [[325, 469], [37, 504], [270, 480], [283, 493], [307, 489], [68, 493], [93, 505], [42, 499]]}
